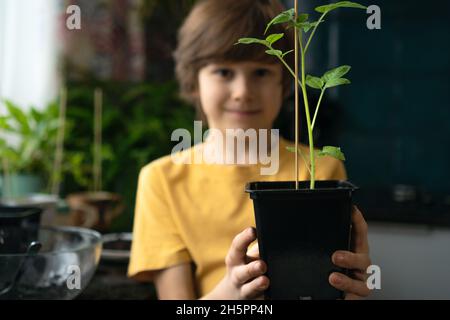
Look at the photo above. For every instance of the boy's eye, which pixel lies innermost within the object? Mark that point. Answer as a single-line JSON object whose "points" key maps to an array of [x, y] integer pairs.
{"points": [[223, 72], [262, 72]]}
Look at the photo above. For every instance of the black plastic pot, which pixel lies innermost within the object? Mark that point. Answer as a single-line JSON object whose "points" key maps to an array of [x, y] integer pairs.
{"points": [[19, 226], [298, 231]]}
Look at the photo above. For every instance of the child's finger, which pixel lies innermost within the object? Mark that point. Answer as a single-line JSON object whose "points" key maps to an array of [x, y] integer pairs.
{"points": [[360, 230], [238, 250], [350, 260], [247, 272], [348, 285], [255, 288], [253, 253]]}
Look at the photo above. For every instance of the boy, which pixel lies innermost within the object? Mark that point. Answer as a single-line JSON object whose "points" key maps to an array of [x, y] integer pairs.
{"points": [[187, 215]]}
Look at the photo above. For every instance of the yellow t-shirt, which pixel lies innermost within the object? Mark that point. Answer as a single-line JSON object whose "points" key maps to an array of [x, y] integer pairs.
{"points": [[192, 212]]}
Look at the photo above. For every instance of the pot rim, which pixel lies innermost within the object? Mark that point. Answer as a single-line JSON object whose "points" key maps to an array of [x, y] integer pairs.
{"points": [[342, 185], [19, 212]]}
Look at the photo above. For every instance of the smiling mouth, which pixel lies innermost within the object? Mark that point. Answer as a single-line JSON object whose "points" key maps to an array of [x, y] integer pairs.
{"points": [[243, 112]]}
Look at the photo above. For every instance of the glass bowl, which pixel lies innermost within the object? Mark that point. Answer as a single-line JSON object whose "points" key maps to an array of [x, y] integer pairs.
{"points": [[60, 267]]}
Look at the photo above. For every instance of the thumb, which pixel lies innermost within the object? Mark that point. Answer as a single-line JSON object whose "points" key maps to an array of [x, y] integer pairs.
{"points": [[253, 252]]}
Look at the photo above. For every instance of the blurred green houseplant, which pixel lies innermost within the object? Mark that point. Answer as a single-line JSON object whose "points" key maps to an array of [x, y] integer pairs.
{"points": [[138, 120], [29, 157]]}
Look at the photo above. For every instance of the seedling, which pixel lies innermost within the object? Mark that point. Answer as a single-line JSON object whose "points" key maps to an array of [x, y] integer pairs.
{"points": [[304, 33]]}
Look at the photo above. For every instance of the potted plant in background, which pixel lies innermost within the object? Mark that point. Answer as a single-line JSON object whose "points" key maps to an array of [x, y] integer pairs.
{"points": [[301, 224], [31, 163], [29, 159]]}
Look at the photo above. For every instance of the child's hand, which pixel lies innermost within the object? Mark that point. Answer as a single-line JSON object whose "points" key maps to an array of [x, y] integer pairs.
{"points": [[357, 261], [244, 278]]}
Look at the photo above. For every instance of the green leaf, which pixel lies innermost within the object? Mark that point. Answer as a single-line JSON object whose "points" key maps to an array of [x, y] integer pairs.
{"points": [[330, 151], [342, 4], [306, 26], [290, 149], [30, 148], [336, 73], [252, 41], [18, 116], [336, 82], [314, 82], [283, 17], [274, 52], [274, 38], [4, 123], [37, 116], [8, 154], [302, 17]]}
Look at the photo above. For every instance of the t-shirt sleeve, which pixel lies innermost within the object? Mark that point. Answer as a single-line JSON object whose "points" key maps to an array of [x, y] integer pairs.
{"points": [[157, 243], [339, 172]]}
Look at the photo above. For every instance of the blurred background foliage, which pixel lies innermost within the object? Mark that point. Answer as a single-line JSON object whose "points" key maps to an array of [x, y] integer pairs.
{"points": [[138, 120], [34, 133], [37, 131], [140, 110]]}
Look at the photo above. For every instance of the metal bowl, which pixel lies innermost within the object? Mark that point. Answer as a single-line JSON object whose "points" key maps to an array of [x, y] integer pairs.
{"points": [[59, 267]]}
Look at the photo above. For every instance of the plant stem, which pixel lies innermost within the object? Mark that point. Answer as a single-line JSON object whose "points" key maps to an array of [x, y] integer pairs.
{"points": [[298, 40], [308, 122], [317, 109], [314, 31], [290, 70]]}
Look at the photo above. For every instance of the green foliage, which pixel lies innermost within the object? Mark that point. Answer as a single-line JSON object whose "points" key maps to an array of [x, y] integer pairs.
{"points": [[138, 120], [336, 73], [330, 79], [342, 4], [314, 82], [253, 41], [277, 53], [286, 16], [137, 125], [274, 38], [34, 132], [330, 151]]}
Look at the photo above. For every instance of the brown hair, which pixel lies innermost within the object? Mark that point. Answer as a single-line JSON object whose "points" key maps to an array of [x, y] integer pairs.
{"points": [[211, 30]]}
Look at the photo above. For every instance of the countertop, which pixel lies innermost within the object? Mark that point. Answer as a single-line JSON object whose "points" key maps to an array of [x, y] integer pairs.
{"points": [[111, 283]]}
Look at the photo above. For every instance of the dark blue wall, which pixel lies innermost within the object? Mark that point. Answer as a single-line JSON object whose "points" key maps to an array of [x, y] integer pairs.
{"points": [[394, 117]]}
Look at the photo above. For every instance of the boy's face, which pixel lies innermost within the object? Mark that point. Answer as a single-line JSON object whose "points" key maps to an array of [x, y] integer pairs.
{"points": [[240, 94]]}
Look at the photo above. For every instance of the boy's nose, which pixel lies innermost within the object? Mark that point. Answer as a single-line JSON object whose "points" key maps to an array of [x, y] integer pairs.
{"points": [[242, 89]]}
